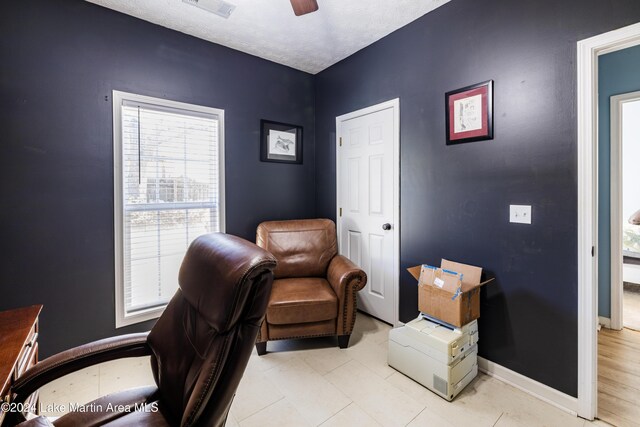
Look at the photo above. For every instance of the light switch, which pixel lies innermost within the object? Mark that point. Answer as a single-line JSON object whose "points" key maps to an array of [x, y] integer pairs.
{"points": [[520, 214]]}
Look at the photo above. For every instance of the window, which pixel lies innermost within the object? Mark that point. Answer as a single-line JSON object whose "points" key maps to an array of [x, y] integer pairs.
{"points": [[169, 189]]}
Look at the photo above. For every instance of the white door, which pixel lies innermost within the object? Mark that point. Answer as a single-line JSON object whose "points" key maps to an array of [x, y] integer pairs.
{"points": [[368, 202]]}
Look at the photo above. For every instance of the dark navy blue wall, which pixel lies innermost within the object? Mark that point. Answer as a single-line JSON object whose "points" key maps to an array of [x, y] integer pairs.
{"points": [[455, 199], [618, 73], [60, 58], [60, 61]]}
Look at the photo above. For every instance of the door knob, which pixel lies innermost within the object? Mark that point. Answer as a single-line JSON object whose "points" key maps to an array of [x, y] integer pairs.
{"points": [[386, 226]]}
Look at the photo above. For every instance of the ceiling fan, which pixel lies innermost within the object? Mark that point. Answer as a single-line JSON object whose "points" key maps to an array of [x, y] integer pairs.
{"points": [[224, 9], [302, 7]]}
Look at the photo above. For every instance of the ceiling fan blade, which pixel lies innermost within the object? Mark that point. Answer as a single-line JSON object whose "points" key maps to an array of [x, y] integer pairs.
{"points": [[301, 7]]}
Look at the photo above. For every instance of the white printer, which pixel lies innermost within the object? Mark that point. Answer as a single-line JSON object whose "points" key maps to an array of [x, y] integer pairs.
{"points": [[442, 359]]}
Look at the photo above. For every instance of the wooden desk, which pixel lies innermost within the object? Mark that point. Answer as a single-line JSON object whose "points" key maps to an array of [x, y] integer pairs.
{"points": [[18, 347]]}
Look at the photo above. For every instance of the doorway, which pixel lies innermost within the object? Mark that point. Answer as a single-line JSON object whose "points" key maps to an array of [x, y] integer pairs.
{"points": [[625, 211], [589, 51], [368, 202], [618, 343]]}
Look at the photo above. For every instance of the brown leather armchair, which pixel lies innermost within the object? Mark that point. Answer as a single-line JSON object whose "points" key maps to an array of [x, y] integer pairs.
{"points": [[199, 347], [314, 291]]}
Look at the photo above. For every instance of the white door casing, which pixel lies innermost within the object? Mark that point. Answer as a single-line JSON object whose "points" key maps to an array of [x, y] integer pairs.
{"points": [[368, 216], [587, 90]]}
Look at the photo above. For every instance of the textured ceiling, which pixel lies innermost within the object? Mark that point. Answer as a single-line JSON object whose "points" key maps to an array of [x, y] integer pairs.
{"points": [[270, 30]]}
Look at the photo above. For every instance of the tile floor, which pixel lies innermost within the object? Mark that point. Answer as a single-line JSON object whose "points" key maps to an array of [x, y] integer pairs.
{"points": [[312, 382]]}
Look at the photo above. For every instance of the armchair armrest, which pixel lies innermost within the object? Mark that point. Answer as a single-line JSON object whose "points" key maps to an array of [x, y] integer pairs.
{"points": [[343, 271], [61, 364], [346, 279]]}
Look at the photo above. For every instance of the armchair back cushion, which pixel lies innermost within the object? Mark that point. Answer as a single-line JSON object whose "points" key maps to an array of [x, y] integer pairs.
{"points": [[303, 247]]}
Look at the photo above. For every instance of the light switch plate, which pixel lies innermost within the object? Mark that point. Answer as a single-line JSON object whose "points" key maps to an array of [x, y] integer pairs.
{"points": [[520, 214]]}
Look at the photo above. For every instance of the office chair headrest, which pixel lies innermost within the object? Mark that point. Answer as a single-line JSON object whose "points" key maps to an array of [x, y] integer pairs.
{"points": [[213, 276]]}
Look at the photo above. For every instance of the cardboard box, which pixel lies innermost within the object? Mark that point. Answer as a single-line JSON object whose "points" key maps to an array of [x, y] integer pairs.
{"points": [[450, 293]]}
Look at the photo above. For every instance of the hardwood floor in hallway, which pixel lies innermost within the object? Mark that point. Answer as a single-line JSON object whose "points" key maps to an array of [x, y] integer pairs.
{"points": [[619, 377]]}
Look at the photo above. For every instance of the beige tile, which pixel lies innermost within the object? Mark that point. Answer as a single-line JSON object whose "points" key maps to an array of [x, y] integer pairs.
{"points": [[373, 329], [231, 421], [280, 414], [313, 396], [372, 355], [255, 392], [270, 360], [521, 410], [599, 423], [351, 416], [441, 410], [473, 406], [122, 374], [78, 387], [324, 360], [409, 386], [480, 403], [308, 382], [382, 401], [429, 418]]}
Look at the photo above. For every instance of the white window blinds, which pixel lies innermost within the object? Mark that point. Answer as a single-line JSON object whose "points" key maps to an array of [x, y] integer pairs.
{"points": [[170, 194]]}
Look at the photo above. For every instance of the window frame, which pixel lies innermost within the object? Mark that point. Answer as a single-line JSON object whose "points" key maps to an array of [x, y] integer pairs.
{"points": [[123, 319]]}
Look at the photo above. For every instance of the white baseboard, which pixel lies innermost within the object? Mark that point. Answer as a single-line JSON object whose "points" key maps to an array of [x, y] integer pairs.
{"points": [[536, 389], [605, 322]]}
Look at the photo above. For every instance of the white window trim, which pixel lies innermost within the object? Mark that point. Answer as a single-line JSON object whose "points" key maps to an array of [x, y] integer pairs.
{"points": [[118, 98]]}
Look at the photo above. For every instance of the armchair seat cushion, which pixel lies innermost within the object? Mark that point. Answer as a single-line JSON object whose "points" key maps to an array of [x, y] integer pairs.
{"points": [[301, 300]]}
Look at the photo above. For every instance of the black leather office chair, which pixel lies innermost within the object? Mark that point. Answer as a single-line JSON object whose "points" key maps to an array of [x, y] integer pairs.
{"points": [[199, 347]]}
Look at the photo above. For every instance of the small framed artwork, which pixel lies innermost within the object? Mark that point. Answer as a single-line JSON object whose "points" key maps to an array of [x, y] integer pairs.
{"points": [[280, 142], [469, 113]]}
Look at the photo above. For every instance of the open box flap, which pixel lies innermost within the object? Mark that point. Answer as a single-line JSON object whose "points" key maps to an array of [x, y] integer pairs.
{"points": [[427, 275], [470, 274], [415, 271], [448, 281], [467, 287]]}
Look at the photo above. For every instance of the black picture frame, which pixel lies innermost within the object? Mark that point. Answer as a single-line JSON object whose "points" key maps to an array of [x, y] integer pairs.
{"points": [[280, 142], [473, 104]]}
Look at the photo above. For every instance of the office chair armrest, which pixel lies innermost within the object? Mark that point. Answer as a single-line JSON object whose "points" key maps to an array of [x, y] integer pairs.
{"points": [[61, 364], [346, 279], [36, 422]]}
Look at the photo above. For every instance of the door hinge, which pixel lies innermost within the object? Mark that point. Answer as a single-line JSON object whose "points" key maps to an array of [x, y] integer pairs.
{"points": [[593, 251], [340, 141], [340, 211]]}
